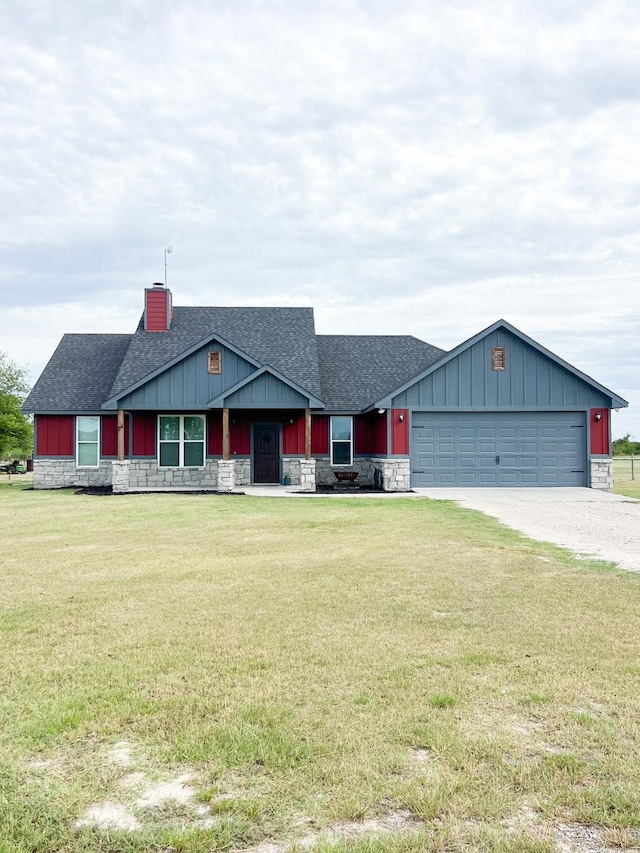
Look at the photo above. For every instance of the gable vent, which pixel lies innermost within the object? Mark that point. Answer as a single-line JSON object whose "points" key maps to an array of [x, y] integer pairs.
{"points": [[214, 361], [498, 358]]}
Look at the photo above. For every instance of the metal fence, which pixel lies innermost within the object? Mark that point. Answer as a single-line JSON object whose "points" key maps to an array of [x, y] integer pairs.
{"points": [[626, 467]]}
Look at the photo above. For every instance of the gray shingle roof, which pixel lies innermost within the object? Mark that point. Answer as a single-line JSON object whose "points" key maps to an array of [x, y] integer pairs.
{"points": [[347, 372], [281, 337], [79, 374], [358, 370]]}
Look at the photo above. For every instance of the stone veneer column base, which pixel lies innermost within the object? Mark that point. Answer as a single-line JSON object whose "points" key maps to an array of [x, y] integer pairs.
{"points": [[307, 475], [226, 475], [396, 474], [120, 477], [602, 474]]}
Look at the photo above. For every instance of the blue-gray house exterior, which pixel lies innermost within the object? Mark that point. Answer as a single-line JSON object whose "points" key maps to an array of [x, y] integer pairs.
{"points": [[216, 398]]}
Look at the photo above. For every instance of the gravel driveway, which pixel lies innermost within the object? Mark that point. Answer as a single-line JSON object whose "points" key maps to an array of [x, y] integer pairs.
{"points": [[587, 521]]}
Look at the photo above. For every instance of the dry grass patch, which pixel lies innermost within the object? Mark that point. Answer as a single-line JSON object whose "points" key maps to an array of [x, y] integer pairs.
{"points": [[309, 665], [626, 479]]}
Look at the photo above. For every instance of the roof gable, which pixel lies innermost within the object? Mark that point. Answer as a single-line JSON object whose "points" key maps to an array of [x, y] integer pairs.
{"points": [[282, 337], [266, 388], [401, 397], [184, 381]]}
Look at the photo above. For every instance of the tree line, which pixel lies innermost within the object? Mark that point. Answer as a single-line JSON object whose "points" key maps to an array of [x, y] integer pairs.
{"points": [[625, 447], [16, 430]]}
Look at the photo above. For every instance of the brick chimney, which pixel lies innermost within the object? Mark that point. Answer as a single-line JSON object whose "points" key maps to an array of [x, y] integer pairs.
{"points": [[158, 308]]}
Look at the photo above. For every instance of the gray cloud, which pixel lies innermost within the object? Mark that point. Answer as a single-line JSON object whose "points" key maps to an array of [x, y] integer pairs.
{"points": [[421, 167]]}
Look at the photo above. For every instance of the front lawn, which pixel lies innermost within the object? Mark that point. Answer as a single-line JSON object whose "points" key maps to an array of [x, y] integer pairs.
{"points": [[198, 673]]}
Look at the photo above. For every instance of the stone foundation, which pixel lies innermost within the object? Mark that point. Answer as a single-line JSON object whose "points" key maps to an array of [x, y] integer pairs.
{"points": [[364, 466], [395, 473], [63, 474], [145, 475], [139, 475], [602, 474]]}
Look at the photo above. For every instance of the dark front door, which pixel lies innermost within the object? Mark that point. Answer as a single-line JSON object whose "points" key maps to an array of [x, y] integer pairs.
{"points": [[266, 453]]}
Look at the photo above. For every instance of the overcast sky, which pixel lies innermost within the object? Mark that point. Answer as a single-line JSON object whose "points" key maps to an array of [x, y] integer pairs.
{"points": [[405, 167]]}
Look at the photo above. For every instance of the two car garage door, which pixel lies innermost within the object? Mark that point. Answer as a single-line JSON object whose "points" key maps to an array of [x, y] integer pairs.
{"points": [[493, 449]]}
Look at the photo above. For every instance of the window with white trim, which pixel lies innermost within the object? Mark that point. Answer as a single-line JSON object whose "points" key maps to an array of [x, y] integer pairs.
{"points": [[181, 441], [87, 441], [341, 440]]}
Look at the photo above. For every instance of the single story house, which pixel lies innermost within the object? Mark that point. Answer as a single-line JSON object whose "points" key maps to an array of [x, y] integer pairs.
{"points": [[216, 398]]}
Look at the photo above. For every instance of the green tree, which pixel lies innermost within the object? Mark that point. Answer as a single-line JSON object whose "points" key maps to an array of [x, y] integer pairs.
{"points": [[626, 447], [16, 431]]}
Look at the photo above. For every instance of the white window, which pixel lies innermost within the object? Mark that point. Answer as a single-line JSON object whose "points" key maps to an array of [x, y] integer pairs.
{"points": [[181, 441], [87, 441], [341, 440]]}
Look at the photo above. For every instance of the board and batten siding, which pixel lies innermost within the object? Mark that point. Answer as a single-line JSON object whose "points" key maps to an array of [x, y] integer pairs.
{"points": [[188, 384], [266, 391], [54, 435], [531, 381]]}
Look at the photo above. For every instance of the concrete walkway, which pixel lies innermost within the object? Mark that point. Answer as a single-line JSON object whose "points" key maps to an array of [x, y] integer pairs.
{"points": [[277, 491]]}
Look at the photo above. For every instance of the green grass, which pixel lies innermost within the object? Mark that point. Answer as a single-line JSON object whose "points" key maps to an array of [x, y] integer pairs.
{"points": [[309, 663], [623, 484]]}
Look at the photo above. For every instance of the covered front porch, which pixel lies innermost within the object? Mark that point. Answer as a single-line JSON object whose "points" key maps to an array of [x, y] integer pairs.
{"points": [[219, 450]]}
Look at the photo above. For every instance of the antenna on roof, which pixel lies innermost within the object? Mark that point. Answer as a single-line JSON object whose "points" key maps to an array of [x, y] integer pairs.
{"points": [[167, 251]]}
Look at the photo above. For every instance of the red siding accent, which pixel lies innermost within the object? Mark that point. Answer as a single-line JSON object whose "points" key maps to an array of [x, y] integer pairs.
{"points": [[158, 309], [109, 431], [600, 432], [240, 428], [400, 431], [370, 434], [379, 434], [319, 435], [214, 433], [55, 435], [293, 434], [361, 435], [144, 435], [240, 432]]}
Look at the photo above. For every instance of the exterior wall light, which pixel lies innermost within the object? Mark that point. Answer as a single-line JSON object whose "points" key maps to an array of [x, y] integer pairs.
{"points": [[401, 418], [598, 416], [381, 411]]}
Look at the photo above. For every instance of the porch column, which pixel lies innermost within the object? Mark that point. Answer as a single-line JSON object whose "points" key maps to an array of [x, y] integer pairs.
{"points": [[226, 443], [307, 433], [120, 435]]}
